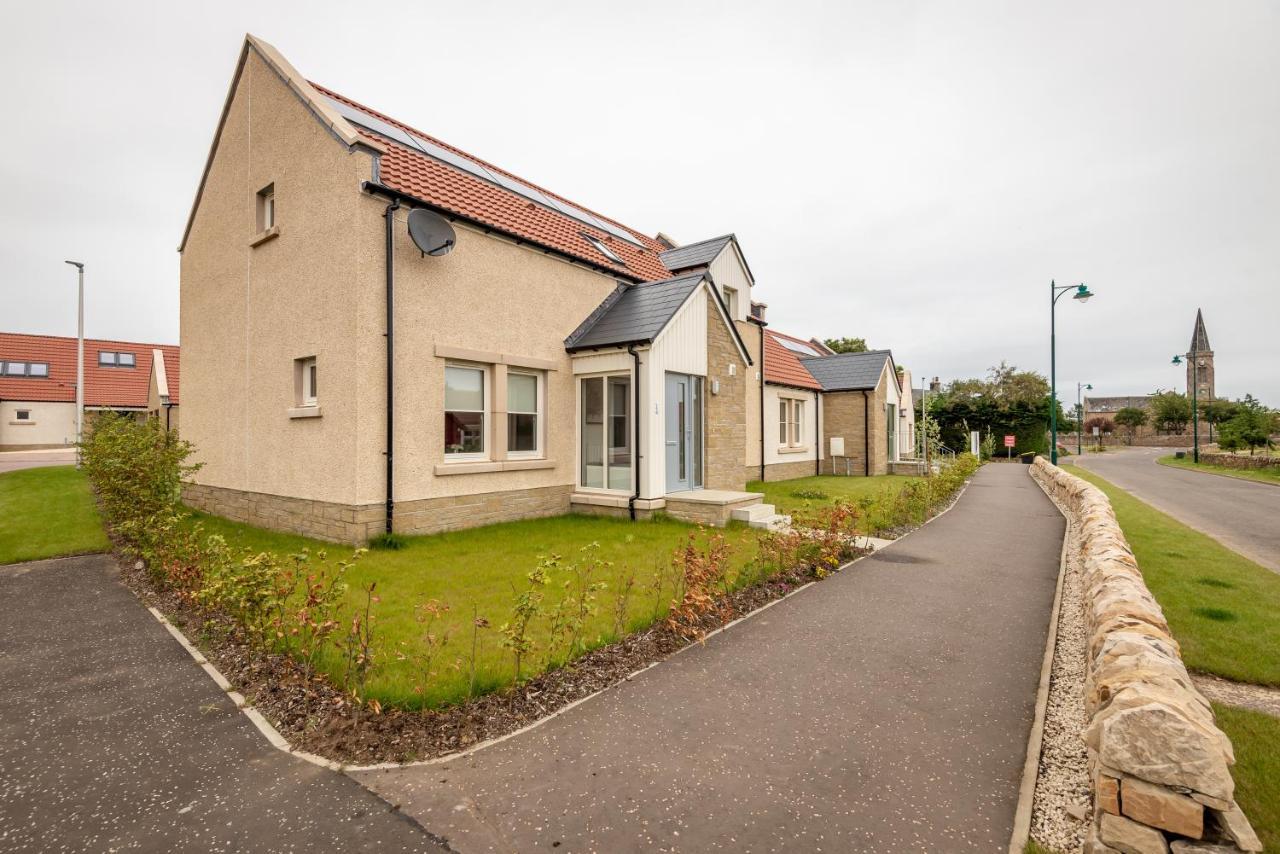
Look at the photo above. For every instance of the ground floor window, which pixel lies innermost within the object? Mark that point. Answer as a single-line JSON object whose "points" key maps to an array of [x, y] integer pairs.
{"points": [[605, 428], [464, 411], [790, 422], [524, 436]]}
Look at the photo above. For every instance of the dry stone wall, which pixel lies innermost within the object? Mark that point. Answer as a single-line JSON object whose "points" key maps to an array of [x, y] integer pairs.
{"points": [[1160, 767]]}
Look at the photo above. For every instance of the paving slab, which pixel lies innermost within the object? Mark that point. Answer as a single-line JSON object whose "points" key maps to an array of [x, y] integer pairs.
{"points": [[112, 738], [885, 709], [1243, 515]]}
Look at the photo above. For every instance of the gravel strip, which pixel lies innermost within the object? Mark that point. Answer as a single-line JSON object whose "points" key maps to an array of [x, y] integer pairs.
{"points": [[1063, 778], [1258, 698]]}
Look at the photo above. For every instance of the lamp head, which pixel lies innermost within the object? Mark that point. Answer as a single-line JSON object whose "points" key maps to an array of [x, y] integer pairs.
{"points": [[1177, 360], [1083, 294], [1088, 386], [79, 265]]}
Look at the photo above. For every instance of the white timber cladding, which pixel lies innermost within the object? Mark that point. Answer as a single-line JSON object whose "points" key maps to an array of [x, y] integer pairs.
{"points": [[775, 445], [729, 271], [680, 348]]}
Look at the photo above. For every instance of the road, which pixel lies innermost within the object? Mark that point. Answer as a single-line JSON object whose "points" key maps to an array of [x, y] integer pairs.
{"points": [[884, 709], [111, 738], [1243, 515], [14, 460]]}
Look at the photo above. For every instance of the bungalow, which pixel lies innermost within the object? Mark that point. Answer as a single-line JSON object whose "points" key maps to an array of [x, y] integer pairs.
{"points": [[342, 382], [38, 386]]}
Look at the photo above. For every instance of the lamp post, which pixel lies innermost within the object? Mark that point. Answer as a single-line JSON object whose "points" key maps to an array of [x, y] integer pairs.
{"points": [[1195, 416], [79, 360], [1080, 418], [1055, 292]]}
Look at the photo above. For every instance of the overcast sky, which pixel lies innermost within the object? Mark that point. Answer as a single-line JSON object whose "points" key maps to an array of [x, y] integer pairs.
{"points": [[913, 173]]}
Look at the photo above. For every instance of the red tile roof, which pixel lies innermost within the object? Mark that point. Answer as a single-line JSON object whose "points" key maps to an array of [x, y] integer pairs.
{"points": [[102, 386], [783, 366], [452, 189]]}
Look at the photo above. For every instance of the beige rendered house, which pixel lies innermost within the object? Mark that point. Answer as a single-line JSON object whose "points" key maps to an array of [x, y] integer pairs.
{"points": [[553, 360]]}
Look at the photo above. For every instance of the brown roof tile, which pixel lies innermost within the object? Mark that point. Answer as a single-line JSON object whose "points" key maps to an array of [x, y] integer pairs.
{"points": [[103, 386]]}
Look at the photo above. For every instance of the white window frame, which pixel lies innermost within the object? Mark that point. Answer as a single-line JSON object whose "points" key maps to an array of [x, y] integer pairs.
{"points": [[539, 415], [731, 301], [307, 386], [791, 422], [486, 389], [797, 423], [604, 428]]}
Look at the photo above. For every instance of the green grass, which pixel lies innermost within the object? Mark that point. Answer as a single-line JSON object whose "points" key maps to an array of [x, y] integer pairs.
{"points": [[48, 512], [477, 571], [1256, 739], [790, 496], [1223, 608], [1033, 847], [1267, 475]]}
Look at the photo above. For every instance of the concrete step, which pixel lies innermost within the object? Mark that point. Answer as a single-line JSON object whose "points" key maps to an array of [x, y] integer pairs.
{"points": [[753, 511], [776, 522]]}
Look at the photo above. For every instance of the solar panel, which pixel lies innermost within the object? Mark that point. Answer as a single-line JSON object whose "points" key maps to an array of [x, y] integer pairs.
{"points": [[471, 167], [797, 347]]}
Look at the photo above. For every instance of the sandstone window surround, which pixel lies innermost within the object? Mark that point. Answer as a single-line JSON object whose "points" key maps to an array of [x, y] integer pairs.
{"points": [[265, 227], [495, 412], [791, 420], [306, 403]]}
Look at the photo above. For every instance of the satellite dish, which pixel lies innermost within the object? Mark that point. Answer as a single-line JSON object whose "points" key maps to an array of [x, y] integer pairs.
{"points": [[431, 232]]}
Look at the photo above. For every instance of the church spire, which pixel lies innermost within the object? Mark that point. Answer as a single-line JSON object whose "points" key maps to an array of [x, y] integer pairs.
{"points": [[1200, 338]]}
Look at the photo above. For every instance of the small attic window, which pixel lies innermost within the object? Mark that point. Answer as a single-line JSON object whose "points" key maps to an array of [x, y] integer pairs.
{"points": [[604, 250], [267, 207]]}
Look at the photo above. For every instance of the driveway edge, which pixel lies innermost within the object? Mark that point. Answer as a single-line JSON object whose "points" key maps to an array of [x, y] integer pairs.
{"points": [[1035, 741]]}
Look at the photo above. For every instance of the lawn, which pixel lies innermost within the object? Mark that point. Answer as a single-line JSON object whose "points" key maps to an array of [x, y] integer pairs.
{"points": [[48, 512], [1256, 739], [1267, 475], [477, 573], [1223, 608], [804, 493]]}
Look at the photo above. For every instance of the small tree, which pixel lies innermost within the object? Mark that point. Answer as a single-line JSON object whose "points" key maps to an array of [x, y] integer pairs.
{"points": [[1170, 412], [1250, 427], [847, 345], [1217, 412], [1130, 418]]}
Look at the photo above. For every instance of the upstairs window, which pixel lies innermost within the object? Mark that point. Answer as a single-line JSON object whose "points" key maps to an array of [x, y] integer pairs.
{"points": [[24, 369], [115, 359], [731, 302], [267, 207], [464, 411], [22, 415]]}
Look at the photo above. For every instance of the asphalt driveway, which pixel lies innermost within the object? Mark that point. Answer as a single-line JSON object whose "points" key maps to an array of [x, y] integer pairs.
{"points": [[14, 460], [885, 709], [111, 738], [1243, 515]]}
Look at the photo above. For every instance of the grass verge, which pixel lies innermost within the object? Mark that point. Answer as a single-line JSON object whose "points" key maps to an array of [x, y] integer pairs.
{"points": [[1223, 608], [1256, 739], [477, 573], [1267, 475], [48, 512], [806, 493]]}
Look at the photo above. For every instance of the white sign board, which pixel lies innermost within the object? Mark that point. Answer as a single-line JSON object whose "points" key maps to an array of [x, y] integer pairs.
{"points": [[975, 441], [837, 446]]}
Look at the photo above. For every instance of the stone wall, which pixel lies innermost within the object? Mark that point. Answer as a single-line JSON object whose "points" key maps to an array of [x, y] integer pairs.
{"points": [[1236, 461], [783, 471], [1160, 767], [726, 427], [342, 523], [843, 415]]}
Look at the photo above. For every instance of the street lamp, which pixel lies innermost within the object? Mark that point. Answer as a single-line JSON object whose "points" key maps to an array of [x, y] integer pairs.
{"points": [[1195, 419], [1080, 418], [79, 361], [1082, 294]]}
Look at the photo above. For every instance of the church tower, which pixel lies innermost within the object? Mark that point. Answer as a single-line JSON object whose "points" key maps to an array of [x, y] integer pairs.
{"points": [[1200, 363]]}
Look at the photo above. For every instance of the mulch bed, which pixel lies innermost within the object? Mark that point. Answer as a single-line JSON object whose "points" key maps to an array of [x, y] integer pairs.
{"points": [[316, 717]]}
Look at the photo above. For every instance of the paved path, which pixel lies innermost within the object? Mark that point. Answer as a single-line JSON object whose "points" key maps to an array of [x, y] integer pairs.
{"points": [[885, 709], [111, 738], [14, 460], [1243, 515]]}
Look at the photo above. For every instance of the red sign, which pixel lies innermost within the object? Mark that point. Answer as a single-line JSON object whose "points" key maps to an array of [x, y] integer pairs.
{"points": [[1008, 441]]}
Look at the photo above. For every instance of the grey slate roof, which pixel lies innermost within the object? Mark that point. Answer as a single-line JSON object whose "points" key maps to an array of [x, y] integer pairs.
{"points": [[848, 371], [1115, 404], [695, 254], [1199, 337], [633, 314]]}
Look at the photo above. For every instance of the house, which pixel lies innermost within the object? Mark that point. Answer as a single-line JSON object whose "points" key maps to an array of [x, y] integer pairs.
{"points": [[341, 382], [38, 386]]}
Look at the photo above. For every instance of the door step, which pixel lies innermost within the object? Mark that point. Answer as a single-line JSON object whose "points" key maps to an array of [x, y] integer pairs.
{"points": [[762, 516]]}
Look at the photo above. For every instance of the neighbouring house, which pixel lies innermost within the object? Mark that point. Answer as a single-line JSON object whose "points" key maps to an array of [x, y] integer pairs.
{"points": [[553, 360], [38, 386], [870, 421]]}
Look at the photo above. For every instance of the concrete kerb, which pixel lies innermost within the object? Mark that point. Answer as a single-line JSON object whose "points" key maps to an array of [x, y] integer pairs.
{"points": [[279, 742], [1035, 740]]}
